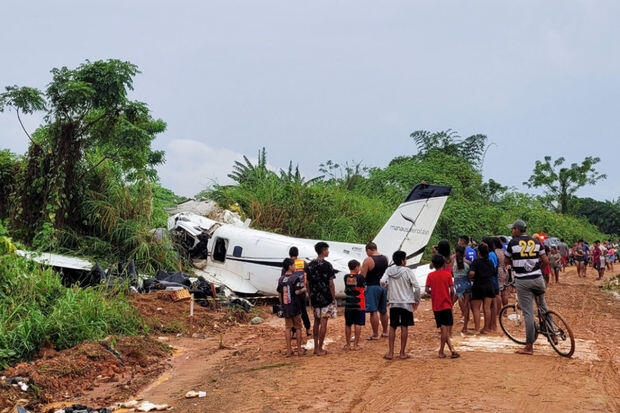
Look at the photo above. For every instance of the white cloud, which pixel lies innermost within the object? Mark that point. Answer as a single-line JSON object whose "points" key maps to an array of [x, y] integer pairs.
{"points": [[192, 166]]}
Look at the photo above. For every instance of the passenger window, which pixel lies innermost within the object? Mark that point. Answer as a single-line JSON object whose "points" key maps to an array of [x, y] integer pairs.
{"points": [[237, 251]]}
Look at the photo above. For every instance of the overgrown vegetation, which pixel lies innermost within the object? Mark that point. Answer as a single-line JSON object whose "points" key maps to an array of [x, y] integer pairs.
{"points": [[88, 182], [353, 202], [37, 310]]}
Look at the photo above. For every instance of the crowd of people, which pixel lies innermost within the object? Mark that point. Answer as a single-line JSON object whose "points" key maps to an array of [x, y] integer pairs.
{"points": [[471, 275]]}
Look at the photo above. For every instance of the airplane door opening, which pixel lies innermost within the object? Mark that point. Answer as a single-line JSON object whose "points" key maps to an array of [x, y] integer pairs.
{"points": [[219, 249]]}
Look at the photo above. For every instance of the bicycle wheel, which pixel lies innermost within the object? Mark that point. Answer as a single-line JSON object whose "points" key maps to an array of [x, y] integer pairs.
{"points": [[512, 323], [559, 334]]}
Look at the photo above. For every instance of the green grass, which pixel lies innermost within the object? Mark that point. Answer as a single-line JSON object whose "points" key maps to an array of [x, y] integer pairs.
{"points": [[36, 309]]}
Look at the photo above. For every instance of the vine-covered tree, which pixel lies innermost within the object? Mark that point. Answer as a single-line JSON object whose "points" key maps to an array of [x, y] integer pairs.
{"points": [[561, 183], [89, 119]]}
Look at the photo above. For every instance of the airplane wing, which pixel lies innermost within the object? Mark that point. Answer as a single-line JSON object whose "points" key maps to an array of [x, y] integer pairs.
{"points": [[56, 260]]}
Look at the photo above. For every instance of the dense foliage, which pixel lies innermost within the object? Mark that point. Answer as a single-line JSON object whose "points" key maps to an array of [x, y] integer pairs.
{"points": [[87, 183], [353, 205], [605, 215], [37, 310]]}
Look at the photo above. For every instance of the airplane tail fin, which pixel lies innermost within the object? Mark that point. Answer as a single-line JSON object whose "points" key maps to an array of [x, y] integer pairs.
{"points": [[411, 225]]}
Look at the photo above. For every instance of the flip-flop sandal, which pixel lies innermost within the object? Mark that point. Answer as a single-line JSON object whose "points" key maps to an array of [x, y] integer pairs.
{"points": [[442, 356], [404, 357], [527, 353], [455, 355], [372, 338], [387, 357]]}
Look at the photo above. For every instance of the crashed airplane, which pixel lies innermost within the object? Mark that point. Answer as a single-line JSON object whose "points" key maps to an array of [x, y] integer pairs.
{"points": [[248, 261]]}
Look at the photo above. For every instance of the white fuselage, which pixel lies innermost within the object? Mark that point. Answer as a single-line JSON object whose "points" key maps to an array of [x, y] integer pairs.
{"points": [[249, 261]]}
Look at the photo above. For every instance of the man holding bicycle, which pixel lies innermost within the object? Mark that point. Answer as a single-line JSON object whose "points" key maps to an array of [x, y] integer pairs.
{"points": [[526, 255]]}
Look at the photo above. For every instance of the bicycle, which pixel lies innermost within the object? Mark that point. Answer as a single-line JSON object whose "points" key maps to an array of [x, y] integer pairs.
{"points": [[550, 324]]}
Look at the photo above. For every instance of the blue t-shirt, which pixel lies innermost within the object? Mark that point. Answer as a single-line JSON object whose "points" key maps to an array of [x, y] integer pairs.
{"points": [[470, 254], [493, 258]]}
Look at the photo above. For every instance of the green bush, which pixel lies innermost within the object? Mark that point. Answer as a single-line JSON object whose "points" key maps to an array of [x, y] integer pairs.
{"points": [[36, 309]]}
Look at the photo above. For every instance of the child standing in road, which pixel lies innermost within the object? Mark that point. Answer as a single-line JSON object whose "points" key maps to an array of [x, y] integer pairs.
{"points": [[441, 289], [403, 295], [555, 261], [355, 304], [290, 287]]}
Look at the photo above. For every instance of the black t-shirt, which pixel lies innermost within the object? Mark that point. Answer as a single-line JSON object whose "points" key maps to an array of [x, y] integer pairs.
{"points": [[483, 269], [319, 273], [287, 287], [354, 285]]}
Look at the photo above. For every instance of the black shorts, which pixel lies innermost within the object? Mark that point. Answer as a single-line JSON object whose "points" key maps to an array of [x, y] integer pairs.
{"points": [[443, 317], [357, 317], [482, 290], [400, 317]]}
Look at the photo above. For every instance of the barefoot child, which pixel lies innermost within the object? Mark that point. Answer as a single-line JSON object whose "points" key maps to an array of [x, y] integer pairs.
{"points": [[403, 295], [355, 304], [441, 289], [290, 288]]}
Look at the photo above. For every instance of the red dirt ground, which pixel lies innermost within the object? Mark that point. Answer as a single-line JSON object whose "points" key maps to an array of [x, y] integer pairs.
{"points": [[241, 366]]}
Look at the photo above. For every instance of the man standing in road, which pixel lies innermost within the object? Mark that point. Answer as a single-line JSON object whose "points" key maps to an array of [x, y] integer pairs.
{"points": [[373, 267], [526, 256], [320, 275]]}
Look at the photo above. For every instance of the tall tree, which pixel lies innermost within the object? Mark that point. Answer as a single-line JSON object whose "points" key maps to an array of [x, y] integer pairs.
{"points": [[89, 119], [348, 176], [561, 183], [249, 173], [472, 149]]}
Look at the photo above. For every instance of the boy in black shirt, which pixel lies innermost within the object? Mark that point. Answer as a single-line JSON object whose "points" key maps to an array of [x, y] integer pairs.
{"points": [[290, 287], [355, 304]]}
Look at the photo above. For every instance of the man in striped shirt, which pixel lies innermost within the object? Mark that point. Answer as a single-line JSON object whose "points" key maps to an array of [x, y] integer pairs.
{"points": [[526, 256]]}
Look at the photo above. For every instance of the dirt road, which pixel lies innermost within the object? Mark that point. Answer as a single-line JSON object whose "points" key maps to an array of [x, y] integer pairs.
{"points": [[241, 366], [247, 371]]}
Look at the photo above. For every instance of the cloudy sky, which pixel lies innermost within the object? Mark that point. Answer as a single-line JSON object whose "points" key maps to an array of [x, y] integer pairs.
{"points": [[346, 81]]}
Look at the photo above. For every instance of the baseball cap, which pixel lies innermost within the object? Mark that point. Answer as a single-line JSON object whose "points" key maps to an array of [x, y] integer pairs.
{"points": [[518, 224]]}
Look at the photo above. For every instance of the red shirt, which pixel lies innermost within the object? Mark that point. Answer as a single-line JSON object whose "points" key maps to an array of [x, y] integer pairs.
{"points": [[439, 283]]}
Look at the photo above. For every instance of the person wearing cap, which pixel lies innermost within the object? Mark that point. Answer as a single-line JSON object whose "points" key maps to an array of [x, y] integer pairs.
{"points": [[526, 256]]}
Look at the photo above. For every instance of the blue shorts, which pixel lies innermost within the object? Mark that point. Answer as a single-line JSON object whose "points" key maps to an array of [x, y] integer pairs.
{"points": [[376, 299], [495, 280], [357, 317], [462, 286]]}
